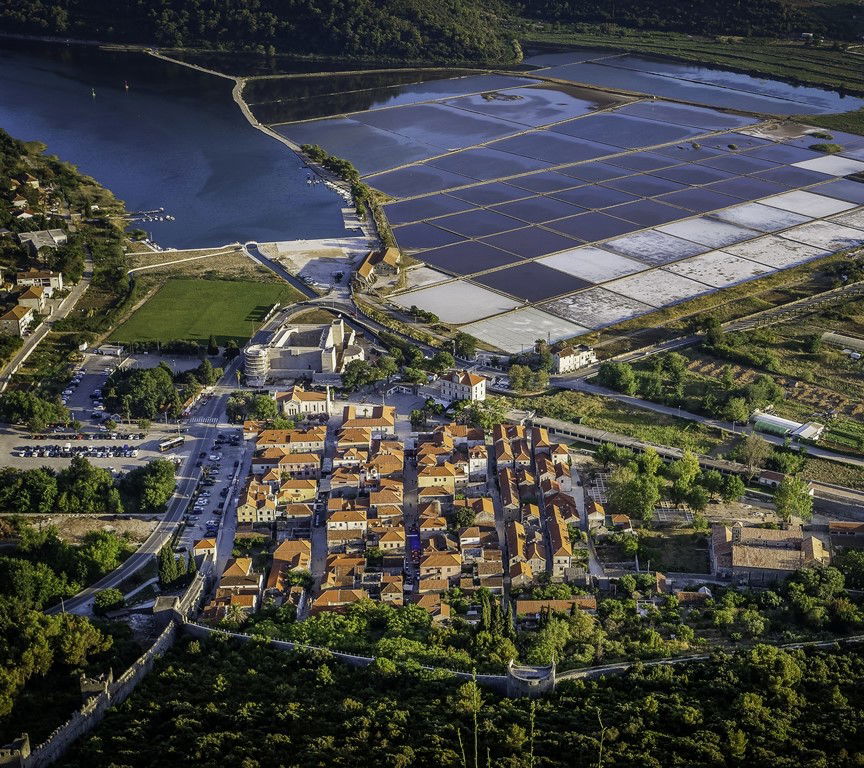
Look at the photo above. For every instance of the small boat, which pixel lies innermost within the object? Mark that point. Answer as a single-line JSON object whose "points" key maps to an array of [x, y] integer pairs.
{"points": [[126, 85], [93, 92]]}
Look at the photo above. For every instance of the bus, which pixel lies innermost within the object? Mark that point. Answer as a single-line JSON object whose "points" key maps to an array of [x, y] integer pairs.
{"points": [[170, 444]]}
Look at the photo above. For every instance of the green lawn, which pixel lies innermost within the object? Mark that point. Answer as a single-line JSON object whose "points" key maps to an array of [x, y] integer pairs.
{"points": [[192, 310]]}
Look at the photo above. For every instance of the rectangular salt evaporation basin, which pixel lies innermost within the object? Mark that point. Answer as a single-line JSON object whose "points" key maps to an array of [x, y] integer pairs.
{"points": [[625, 132], [416, 180], [535, 105], [552, 147], [705, 231], [422, 235], [827, 235], [536, 210], [422, 208], [832, 165], [485, 164], [851, 219], [369, 149], [763, 218], [516, 331], [658, 287], [593, 264], [807, 203], [531, 281], [439, 125], [478, 223], [467, 258], [842, 189], [597, 308], [776, 251], [647, 213], [653, 247], [719, 269], [698, 117], [420, 277], [457, 302], [530, 242]]}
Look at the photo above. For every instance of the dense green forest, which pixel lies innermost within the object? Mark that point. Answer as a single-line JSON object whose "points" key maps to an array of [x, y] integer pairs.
{"points": [[43, 653], [773, 18], [428, 30], [217, 704], [417, 30]]}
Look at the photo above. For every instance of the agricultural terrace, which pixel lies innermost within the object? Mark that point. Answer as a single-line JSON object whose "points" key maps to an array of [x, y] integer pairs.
{"points": [[192, 310]]}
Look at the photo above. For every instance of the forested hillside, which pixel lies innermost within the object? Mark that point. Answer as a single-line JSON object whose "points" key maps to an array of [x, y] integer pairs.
{"points": [[429, 30], [769, 18], [216, 704]]}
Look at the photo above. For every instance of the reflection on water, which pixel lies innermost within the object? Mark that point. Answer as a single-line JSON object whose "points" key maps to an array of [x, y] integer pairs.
{"points": [[175, 139]]}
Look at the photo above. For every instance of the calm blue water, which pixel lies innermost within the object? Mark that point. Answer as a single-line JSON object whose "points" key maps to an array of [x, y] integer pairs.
{"points": [[175, 139]]}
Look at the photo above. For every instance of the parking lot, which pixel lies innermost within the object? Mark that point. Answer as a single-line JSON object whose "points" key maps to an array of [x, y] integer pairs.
{"points": [[222, 467]]}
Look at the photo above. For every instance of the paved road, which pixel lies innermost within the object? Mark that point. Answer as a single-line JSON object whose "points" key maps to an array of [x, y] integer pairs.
{"points": [[255, 254], [199, 435], [32, 341]]}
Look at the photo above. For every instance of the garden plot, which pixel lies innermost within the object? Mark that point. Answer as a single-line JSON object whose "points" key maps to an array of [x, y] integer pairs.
{"points": [[719, 269], [760, 217], [593, 264], [831, 165], [705, 231], [597, 308], [457, 302], [658, 287], [807, 203], [827, 235], [518, 330], [776, 251], [653, 247]]}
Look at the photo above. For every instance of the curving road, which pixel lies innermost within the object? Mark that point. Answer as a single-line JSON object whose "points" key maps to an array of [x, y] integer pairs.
{"points": [[198, 435]]}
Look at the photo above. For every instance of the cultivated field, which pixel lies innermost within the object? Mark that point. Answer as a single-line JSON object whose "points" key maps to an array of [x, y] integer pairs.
{"points": [[194, 309]]}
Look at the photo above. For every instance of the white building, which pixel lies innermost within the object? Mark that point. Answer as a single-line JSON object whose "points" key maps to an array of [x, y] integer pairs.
{"points": [[302, 350], [463, 385], [298, 402], [50, 281], [571, 358], [776, 425]]}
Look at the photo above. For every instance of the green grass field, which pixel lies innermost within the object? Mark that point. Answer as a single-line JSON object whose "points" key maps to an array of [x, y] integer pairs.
{"points": [[192, 310]]}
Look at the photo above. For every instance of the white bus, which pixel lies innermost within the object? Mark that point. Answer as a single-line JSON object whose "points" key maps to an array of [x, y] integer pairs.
{"points": [[170, 444]]}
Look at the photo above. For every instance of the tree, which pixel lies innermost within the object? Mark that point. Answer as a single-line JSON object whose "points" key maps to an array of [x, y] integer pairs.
{"points": [[418, 419], [357, 374], [441, 361], [167, 566], [754, 452], [18, 407], [712, 481], [685, 470], [520, 378], [230, 351], [147, 489], [792, 499], [732, 489], [485, 413], [617, 376], [633, 494], [697, 498], [212, 346], [736, 410], [763, 390], [649, 461], [107, 600], [465, 345]]}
